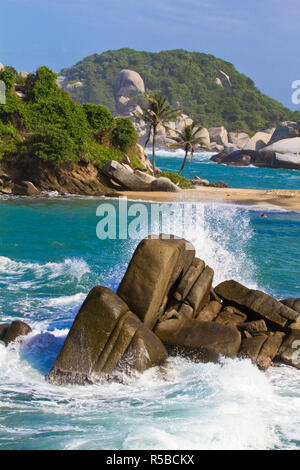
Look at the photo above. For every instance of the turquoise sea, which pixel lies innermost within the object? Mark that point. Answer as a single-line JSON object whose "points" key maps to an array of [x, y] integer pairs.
{"points": [[50, 257]]}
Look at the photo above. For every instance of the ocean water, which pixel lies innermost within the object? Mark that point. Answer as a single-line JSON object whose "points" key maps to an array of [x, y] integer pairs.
{"points": [[50, 257], [236, 177]]}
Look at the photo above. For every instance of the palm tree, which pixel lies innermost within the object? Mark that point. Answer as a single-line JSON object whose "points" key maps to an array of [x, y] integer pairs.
{"points": [[189, 140], [157, 113]]}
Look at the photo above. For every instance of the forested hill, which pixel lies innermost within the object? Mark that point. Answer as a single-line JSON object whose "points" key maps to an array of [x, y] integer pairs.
{"points": [[189, 78]]}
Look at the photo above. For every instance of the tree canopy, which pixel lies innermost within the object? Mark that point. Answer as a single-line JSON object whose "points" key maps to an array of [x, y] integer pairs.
{"points": [[184, 77]]}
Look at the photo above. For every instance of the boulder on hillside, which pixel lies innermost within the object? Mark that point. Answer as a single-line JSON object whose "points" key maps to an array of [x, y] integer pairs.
{"points": [[127, 85], [204, 341], [223, 79], [101, 334], [256, 304], [218, 135], [155, 267], [285, 130]]}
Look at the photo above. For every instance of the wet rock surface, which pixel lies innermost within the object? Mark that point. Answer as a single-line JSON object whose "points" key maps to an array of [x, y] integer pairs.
{"points": [[165, 305]]}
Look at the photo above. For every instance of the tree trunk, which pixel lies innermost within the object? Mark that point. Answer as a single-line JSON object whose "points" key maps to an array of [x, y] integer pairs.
{"points": [[153, 150], [182, 166]]}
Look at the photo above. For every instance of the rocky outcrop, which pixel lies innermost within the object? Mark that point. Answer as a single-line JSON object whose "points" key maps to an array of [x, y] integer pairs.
{"points": [[261, 151], [9, 332], [125, 176], [33, 178], [258, 141], [164, 305], [286, 161], [204, 341], [128, 84], [238, 139], [197, 181], [257, 304], [289, 146], [285, 130], [223, 79], [218, 135], [153, 271], [294, 304], [136, 180], [101, 334]]}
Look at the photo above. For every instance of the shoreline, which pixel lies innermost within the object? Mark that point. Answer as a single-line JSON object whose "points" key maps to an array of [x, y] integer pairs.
{"points": [[283, 198]]}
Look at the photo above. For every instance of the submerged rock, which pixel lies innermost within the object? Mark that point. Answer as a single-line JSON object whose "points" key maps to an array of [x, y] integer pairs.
{"points": [[10, 332]]}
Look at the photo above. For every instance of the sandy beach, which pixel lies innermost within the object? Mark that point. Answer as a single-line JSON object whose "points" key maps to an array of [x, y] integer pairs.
{"points": [[286, 199]]}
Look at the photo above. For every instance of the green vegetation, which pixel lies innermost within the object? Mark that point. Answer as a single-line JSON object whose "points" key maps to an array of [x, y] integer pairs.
{"points": [[184, 183], [156, 113], [184, 77], [189, 140], [41, 120], [124, 134]]}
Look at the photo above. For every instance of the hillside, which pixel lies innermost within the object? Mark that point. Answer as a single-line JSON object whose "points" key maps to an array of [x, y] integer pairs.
{"points": [[48, 138], [190, 78]]}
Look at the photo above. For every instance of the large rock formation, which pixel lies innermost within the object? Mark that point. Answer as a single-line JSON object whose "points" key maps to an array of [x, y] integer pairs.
{"points": [[285, 130], [153, 271], [135, 180], [168, 290], [281, 151], [218, 135], [204, 341], [258, 141], [26, 178], [101, 334], [223, 79], [125, 176], [257, 304], [238, 139], [128, 84]]}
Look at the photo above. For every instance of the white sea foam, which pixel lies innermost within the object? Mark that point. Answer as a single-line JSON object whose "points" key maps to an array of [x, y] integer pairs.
{"points": [[188, 406], [12, 272]]}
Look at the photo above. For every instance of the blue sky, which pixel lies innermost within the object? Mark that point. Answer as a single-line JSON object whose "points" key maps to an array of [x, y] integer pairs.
{"points": [[260, 37]]}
